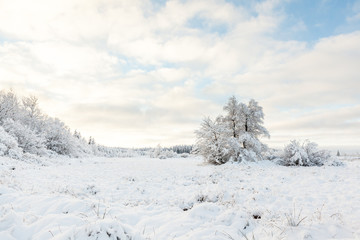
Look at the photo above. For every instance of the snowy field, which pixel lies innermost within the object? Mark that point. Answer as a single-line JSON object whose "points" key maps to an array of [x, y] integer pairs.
{"points": [[180, 198]]}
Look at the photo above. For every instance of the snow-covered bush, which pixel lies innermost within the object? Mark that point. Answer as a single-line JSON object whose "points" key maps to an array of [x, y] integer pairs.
{"points": [[253, 150], [273, 154], [82, 146], [15, 153], [184, 155], [59, 139], [9, 145], [162, 153], [305, 154], [167, 154], [26, 138], [156, 152], [3, 149]]}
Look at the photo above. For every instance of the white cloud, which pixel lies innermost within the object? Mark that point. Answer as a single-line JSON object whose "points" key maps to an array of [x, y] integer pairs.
{"points": [[132, 73], [356, 13]]}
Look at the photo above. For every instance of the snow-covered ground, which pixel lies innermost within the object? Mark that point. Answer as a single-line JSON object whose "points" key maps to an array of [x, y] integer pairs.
{"points": [[180, 198]]}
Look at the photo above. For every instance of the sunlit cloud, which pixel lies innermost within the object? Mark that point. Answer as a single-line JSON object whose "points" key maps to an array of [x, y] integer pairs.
{"points": [[139, 73]]}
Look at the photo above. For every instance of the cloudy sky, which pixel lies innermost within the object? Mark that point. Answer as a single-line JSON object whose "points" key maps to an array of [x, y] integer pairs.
{"points": [[141, 72]]}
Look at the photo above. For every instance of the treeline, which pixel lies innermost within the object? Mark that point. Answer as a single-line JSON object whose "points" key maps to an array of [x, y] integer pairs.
{"points": [[180, 149], [25, 129]]}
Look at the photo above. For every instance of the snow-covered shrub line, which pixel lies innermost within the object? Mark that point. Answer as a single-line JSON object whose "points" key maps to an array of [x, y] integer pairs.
{"points": [[304, 154]]}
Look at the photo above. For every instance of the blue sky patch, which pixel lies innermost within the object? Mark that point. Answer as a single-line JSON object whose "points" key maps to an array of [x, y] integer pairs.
{"points": [[201, 23], [308, 20]]}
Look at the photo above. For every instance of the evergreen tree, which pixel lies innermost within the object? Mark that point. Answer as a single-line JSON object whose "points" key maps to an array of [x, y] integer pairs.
{"points": [[77, 134], [91, 141]]}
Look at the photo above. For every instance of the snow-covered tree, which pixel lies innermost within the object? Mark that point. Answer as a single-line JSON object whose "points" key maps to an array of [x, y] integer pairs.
{"points": [[156, 152], [82, 146], [36, 133], [58, 138], [212, 141], [18, 123], [252, 129], [77, 134], [179, 149], [239, 131], [9, 106], [8, 145], [245, 123], [233, 118], [162, 153], [30, 104], [26, 138], [32, 115], [91, 141]]}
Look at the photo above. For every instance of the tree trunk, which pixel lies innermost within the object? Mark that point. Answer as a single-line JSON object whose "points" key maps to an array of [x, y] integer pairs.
{"points": [[234, 130], [246, 129]]}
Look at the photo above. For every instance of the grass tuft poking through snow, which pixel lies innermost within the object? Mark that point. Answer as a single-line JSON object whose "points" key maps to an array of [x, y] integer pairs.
{"points": [[293, 218]]}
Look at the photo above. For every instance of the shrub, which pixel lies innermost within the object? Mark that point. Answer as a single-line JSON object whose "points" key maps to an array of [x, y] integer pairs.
{"points": [[59, 139], [9, 145], [27, 139], [162, 153], [305, 154]]}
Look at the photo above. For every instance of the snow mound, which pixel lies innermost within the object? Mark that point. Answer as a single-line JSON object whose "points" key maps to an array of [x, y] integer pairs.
{"points": [[105, 229]]}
